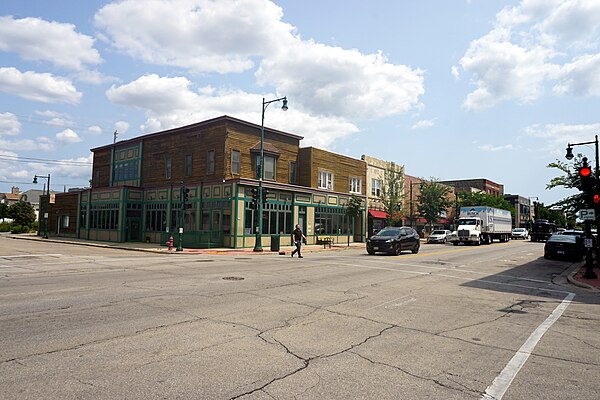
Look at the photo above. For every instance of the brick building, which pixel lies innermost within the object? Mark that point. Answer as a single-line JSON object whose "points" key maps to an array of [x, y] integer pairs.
{"points": [[476, 185]]}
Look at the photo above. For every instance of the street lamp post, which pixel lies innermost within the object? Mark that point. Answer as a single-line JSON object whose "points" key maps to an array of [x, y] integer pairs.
{"points": [[531, 219], [589, 266], [47, 207], [265, 104]]}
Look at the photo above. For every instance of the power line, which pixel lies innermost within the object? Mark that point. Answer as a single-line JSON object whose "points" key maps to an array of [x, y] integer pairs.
{"points": [[43, 160], [53, 183]]}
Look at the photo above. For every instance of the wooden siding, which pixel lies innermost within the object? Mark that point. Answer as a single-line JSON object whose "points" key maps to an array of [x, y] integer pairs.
{"points": [[195, 141], [65, 204], [101, 169], [313, 160], [244, 138]]}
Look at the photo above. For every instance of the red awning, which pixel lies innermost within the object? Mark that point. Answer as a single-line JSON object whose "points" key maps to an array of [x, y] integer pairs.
{"points": [[378, 214]]}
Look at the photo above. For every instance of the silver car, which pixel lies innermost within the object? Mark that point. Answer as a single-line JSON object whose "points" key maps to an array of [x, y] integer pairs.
{"points": [[438, 236], [519, 233]]}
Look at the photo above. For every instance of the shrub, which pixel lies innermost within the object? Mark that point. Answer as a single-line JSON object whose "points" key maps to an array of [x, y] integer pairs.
{"points": [[5, 226]]}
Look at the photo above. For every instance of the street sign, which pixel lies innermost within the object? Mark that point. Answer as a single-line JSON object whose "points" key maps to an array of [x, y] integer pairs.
{"points": [[589, 243], [587, 214]]}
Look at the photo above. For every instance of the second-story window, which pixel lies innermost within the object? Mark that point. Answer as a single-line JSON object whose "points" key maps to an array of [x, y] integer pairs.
{"points": [[235, 162], [325, 180], [188, 165], [270, 167], [168, 168], [210, 162], [355, 184], [376, 187], [293, 172]]}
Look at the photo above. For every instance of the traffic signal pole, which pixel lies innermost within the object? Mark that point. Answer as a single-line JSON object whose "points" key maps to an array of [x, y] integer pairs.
{"points": [[588, 185]]}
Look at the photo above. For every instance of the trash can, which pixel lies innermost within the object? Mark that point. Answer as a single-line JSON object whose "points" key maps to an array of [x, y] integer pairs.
{"points": [[274, 242]]}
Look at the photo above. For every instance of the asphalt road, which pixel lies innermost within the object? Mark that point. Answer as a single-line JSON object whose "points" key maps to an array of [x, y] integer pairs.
{"points": [[447, 323]]}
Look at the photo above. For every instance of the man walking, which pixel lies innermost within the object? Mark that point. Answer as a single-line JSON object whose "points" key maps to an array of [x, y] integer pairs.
{"points": [[297, 237]]}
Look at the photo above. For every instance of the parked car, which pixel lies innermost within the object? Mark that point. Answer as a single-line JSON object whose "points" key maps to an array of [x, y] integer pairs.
{"points": [[574, 232], [519, 233], [564, 246], [438, 236], [393, 240]]}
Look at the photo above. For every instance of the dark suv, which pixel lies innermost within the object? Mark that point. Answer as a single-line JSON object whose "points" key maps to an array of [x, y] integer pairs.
{"points": [[393, 240]]}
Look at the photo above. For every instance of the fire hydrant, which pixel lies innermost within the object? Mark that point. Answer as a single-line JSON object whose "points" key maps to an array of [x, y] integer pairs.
{"points": [[170, 243]]}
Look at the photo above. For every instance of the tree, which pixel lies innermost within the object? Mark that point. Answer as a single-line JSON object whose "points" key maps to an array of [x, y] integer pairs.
{"points": [[484, 199], [353, 209], [552, 215], [3, 211], [569, 179], [433, 200], [392, 193], [22, 213]]}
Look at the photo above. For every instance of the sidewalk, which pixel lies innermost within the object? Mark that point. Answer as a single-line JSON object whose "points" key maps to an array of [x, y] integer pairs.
{"points": [[155, 248], [576, 278]]}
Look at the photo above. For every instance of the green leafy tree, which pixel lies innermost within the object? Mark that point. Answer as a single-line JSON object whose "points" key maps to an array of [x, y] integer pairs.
{"points": [[22, 213], [3, 211], [552, 215], [432, 200], [484, 199], [353, 210], [568, 179], [392, 194]]}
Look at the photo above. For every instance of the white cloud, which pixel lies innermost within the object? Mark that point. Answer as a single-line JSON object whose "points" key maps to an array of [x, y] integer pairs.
{"points": [[68, 136], [533, 44], [122, 127], [425, 123], [41, 143], [9, 124], [42, 87], [580, 77], [35, 39], [199, 35], [492, 148], [74, 169], [555, 137], [334, 81], [169, 103], [455, 72], [94, 130], [320, 79], [93, 77]]}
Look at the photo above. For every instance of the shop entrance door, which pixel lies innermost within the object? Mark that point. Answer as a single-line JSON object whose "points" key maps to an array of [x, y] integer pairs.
{"points": [[133, 230]]}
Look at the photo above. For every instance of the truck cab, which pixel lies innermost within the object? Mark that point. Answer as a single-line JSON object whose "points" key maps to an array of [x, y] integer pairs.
{"points": [[468, 231]]}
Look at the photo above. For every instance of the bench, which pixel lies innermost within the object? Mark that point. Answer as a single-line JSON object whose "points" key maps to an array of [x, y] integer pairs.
{"points": [[325, 240]]}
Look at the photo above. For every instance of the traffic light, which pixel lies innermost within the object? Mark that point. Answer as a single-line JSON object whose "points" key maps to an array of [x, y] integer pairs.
{"points": [[265, 192], [586, 177], [185, 197], [254, 204]]}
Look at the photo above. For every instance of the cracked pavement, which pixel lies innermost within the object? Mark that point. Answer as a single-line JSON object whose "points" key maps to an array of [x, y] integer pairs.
{"points": [[88, 323]]}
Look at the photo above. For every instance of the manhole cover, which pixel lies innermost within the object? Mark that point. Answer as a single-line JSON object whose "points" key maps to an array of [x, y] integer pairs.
{"points": [[233, 278]]}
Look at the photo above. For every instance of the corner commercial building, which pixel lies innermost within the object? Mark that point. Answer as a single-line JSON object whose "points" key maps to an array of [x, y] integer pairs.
{"points": [[135, 193]]}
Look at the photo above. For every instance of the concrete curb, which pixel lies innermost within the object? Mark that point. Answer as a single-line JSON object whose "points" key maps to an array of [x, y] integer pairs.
{"points": [[572, 272]]}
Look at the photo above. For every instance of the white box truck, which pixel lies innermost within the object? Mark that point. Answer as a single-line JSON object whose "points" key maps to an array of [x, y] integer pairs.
{"points": [[481, 224]]}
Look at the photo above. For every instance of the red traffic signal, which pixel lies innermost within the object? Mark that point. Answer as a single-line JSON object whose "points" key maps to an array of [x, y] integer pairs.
{"points": [[596, 199], [585, 172]]}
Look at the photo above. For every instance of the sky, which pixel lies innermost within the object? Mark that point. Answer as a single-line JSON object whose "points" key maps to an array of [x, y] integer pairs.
{"points": [[451, 89]]}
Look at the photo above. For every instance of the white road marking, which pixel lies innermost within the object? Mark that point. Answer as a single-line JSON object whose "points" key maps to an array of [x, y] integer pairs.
{"points": [[387, 302], [503, 381], [32, 255]]}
